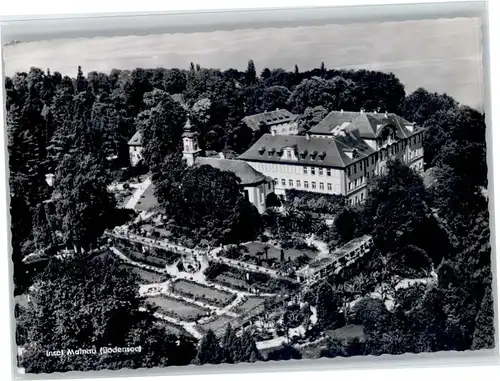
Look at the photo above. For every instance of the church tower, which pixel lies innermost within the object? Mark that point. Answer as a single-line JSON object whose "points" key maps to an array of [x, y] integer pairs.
{"points": [[190, 142]]}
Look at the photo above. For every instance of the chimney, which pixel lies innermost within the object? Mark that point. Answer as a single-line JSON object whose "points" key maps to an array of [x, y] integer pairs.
{"points": [[221, 155], [341, 110], [273, 132], [277, 109], [361, 111], [308, 136], [375, 111], [386, 114]]}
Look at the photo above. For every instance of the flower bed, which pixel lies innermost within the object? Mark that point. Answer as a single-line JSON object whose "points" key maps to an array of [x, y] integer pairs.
{"points": [[178, 309], [206, 294]]}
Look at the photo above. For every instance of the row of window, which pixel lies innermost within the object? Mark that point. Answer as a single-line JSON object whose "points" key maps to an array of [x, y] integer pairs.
{"points": [[321, 171], [298, 184], [356, 183], [357, 200], [384, 154]]}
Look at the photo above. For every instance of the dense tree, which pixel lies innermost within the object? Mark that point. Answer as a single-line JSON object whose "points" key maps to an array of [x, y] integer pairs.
{"points": [[285, 352], [84, 206], [249, 353], [161, 126], [251, 73], [420, 105], [93, 303], [484, 334], [311, 117], [209, 350], [231, 345], [396, 207], [210, 202], [175, 81], [275, 97], [327, 306]]}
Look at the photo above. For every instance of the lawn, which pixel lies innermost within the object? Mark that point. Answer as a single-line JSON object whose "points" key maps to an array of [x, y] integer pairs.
{"points": [[145, 276], [195, 291], [221, 321], [232, 281], [162, 259], [274, 252], [148, 200], [177, 308]]}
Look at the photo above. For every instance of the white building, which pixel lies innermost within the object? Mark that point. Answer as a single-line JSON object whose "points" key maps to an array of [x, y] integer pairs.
{"points": [[339, 155], [280, 122], [135, 148]]}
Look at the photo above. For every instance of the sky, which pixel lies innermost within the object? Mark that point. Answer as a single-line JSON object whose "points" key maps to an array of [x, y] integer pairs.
{"points": [[443, 55]]}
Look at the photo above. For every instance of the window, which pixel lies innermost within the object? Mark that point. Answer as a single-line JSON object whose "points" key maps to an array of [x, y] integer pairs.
{"points": [[275, 181], [290, 182], [360, 165], [320, 171], [328, 172], [313, 185], [349, 171], [313, 171], [362, 196], [283, 182], [305, 170], [329, 186], [321, 186], [306, 184], [298, 183]]}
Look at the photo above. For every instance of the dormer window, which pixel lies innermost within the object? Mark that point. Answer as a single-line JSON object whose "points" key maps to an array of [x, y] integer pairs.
{"points": [[303, 153], [262, 150], [271, 151], [322, 155], [314, 154]]}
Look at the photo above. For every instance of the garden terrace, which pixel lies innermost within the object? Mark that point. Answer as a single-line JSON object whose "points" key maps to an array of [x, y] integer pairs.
{"points": [[317, 203], [248, 305], [198, 292], [153, 257], [275, 253], [145, 276], [230, 281], [177, 308]]}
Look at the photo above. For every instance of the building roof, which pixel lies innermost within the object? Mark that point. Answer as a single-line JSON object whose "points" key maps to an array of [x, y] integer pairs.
{"points": [[243, 170], [368, 124], [269, 118], [136, 139], [338, 151]]}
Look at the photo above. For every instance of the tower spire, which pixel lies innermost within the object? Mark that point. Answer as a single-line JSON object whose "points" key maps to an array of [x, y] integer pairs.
{"points": [[190, 142]]}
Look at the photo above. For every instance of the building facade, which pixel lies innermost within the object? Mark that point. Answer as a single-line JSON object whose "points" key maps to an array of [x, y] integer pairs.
{"points": [[279, 121], [135, 149], [339, 155], [341, 258]]}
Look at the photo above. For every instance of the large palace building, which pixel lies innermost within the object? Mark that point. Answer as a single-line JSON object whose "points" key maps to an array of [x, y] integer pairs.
{"points": [[339, 155]]}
